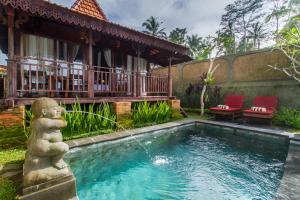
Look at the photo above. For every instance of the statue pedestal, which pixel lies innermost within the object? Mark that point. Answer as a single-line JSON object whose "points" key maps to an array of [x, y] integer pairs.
{"points": [[63, 188]]}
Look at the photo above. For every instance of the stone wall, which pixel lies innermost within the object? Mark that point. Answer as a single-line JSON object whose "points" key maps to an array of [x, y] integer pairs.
{"points": [[244, 74]]}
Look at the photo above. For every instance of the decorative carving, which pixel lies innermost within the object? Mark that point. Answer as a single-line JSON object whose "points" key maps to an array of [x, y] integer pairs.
{"points": [[44, 156], [22, 18], [65, 15]]}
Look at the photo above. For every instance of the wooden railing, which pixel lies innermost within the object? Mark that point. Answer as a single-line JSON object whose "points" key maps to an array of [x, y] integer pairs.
{"points": [[34, 78]]}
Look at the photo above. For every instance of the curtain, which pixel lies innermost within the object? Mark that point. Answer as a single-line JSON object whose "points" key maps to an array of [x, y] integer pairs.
{"points": [[74, 48], [129, 63], [38, 47], [45, 47], [143, 65], [30, 46], [107, 56], [99, 58]]}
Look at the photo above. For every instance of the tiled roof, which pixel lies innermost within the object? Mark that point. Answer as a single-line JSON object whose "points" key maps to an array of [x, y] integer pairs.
{"points": [[90, 8]]}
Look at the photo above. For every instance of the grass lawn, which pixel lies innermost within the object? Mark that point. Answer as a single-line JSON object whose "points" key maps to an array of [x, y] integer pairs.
{"points": [[12, 145], [8, 190]]}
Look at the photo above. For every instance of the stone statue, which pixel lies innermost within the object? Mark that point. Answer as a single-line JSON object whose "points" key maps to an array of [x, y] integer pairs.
{"points": [[44, 156]]}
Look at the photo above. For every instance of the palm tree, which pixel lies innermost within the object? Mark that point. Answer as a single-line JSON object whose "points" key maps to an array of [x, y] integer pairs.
{"points": [[193, 43], [279, 10], [152, 27], [178, 35], [257, 34]]}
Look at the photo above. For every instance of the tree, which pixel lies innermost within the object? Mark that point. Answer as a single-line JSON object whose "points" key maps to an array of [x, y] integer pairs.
{"points": [[200, 47], [209, 79], [257, 33], [242, 14], [289, 45], [279, 9], [178, 35], [193, 43], [226, 39], [153, 27]]}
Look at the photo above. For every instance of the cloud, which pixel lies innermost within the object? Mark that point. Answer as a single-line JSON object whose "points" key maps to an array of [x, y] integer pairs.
{"points": [[200, 17]]}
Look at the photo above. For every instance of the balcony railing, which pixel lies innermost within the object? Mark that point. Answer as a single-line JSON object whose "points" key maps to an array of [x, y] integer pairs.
{"points": [[34, 78]]}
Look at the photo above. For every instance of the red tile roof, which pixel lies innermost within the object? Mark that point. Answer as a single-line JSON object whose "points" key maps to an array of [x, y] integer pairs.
{"points": [[90, 8]]}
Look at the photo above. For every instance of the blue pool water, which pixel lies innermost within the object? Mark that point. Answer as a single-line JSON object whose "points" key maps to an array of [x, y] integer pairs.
{"points": [[195, 162]]}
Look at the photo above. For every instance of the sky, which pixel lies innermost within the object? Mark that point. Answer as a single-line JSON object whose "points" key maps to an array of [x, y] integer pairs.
{"points": [[200, 17]]}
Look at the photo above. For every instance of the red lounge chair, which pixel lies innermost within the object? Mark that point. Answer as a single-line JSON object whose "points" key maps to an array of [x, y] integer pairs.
{"points": [[270, 103], [235, 104]]}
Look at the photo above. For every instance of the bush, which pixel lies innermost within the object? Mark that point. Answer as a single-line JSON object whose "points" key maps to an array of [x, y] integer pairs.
{"points": [[84, 119], [8, 189], [89, 119], [191, 97], [125, 122], [288, 117], [176, 115], [145, 113]]}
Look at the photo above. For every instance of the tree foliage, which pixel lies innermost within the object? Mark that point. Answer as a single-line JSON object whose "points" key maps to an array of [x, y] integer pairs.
{"points": [[153, 27], [278, 10], [257, 33], [178, 36], [241, 15], [289, 45]]}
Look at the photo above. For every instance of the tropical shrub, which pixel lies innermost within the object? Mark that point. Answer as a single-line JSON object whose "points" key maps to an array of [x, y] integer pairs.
{"points": [[125, 122], [193, 91], [176, 115], [83, 119], [88, 119], [288, 117], [145, 113]]}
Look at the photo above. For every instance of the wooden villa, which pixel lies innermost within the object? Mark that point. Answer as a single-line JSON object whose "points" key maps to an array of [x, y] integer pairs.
{"points": [[68, 53]]}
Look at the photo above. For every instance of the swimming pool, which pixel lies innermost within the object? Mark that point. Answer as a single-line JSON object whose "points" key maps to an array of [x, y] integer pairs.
{"points": [[188, 162]]}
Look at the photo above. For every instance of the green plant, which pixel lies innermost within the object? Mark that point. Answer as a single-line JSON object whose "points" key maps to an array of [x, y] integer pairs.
{"points": [[27, 121], [176, 115], [288, 117], [145, 113], [8, 190], [125, 122], [88, 119]]}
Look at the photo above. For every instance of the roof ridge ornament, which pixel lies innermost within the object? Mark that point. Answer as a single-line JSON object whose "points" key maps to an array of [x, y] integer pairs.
{"points": [[90, 8]]}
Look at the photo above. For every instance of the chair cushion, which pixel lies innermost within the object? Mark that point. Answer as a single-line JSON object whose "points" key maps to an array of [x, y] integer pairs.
{"points": [[259, 109], [223, 107], [268, 112]]}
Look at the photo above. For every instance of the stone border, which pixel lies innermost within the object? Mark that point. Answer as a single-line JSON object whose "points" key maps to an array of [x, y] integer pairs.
{"points": [[134, 132]]}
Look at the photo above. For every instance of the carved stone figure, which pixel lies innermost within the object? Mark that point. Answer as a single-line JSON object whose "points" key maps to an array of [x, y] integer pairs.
{"points": [[44, 156]]}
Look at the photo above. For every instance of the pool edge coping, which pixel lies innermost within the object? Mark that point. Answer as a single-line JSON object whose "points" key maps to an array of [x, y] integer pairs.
{"points": [[139, 131]]}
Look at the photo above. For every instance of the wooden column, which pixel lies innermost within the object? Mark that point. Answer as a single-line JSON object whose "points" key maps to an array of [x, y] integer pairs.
{"points": [[11, 71], [91, 69], [138, 77], [170, 78]]}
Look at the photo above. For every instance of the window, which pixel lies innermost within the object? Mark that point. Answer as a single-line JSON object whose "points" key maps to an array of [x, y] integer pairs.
{"points": [[38, 47]]}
